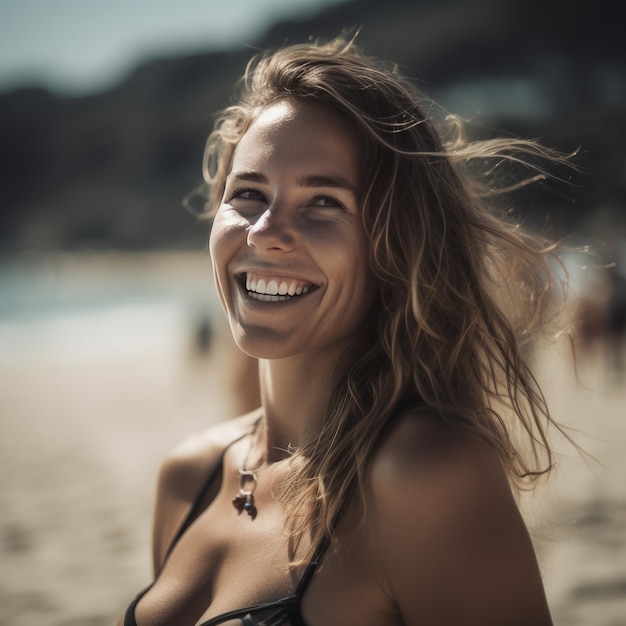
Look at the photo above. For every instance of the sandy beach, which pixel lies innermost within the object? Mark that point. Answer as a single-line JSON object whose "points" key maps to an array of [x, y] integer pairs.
{"points": [[83, 427]]}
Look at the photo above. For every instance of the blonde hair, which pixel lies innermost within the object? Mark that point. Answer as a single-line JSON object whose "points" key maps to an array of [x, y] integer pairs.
{"points": [[461, 289]]}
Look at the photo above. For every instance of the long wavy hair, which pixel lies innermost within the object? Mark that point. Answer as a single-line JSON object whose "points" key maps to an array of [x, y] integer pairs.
{"points": [[462, 288]]}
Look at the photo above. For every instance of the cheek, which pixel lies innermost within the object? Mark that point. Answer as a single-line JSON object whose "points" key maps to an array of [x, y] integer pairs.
{"points": [[226, 234], [224, 241], [367, 292], [362, 285], [370, 286], [214, 244]]}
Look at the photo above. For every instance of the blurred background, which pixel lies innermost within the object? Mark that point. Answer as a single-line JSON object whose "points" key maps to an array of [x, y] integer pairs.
{"points": [[112, 345]]}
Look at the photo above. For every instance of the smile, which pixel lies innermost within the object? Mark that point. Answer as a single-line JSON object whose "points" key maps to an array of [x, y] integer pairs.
{"points": [[270, 289]]}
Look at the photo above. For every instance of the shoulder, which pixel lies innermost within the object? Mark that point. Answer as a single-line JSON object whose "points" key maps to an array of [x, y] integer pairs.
{"points": [[185, 467], [440, 459], [183, 472], [448, 528]]}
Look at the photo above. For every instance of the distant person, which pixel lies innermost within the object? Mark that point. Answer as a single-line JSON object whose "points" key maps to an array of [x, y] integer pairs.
{"points": [[600, 314], [616, 316], [358, 256], [240, 372]]}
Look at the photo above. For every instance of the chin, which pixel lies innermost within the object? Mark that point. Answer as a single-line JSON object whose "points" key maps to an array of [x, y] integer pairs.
{"points": [[263, 344]]}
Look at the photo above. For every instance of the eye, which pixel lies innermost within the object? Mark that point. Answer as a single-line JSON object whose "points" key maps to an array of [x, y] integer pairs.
{"points": [[326, 202], [247, 194]]}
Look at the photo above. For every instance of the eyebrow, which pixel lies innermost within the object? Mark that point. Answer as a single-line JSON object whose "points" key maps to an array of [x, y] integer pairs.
{"points": [[306, 181]]}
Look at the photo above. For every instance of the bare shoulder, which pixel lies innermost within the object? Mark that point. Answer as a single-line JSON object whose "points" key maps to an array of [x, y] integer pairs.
{"points": [[436, 476], [183, 472], [185, 467], [444, 461], [448, 527]]}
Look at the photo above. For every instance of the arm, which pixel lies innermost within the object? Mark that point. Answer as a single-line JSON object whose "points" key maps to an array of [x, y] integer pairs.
{"points": [[453, 545]]}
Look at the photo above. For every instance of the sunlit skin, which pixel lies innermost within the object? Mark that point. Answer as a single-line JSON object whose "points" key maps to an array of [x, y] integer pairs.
{"points": [[439, 540], [290, 225]]}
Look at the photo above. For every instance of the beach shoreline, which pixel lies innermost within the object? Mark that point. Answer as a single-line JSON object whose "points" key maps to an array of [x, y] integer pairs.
{"points": [[82, 434]]}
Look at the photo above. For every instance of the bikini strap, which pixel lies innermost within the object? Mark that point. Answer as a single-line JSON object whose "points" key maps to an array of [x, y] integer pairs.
{"points": [[194, 511], [316, 560], [406, 404]]}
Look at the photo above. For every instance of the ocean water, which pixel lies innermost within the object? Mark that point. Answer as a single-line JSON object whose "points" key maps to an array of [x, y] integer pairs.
{"points": [[62, 309]]}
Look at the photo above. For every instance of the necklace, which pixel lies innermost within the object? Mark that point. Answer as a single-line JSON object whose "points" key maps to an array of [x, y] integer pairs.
{"points": [[244, 500]]}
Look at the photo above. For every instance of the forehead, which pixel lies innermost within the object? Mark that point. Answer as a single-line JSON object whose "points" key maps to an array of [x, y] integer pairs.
{"points": [[294, 134]]}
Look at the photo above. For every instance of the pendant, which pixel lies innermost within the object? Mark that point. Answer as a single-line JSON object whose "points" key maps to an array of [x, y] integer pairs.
{"points": [[244, 500]]}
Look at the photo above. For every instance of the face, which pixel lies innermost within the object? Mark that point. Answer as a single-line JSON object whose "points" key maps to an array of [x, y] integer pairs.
{"points": [[287, 245]]}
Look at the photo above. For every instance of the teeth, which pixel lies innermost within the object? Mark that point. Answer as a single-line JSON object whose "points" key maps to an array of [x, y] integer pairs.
{"points": [[267, 298], [274, 290]]}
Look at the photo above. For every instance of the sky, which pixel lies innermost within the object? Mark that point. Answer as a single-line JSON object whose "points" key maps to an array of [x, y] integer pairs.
{"points": [[82, 46]]}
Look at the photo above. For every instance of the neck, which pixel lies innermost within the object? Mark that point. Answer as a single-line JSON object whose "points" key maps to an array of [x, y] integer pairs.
{"points": [[294, 394]]}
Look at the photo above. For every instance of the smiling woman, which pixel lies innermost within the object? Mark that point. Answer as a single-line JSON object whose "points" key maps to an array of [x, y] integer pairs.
{"points": [[358, 256], [290, 220]]}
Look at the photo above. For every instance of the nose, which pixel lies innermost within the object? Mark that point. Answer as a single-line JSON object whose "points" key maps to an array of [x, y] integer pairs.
{"points": [[272, 231]]}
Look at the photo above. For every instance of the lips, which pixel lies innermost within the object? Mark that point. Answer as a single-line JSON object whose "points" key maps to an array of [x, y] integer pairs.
{"points": [[274, 288]]}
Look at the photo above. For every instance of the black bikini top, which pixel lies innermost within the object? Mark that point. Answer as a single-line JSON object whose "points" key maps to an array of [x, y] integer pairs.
{"points": [[285, 611]]}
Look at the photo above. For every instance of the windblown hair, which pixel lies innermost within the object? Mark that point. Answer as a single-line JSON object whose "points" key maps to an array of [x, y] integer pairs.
{"points": [[462, 289]]}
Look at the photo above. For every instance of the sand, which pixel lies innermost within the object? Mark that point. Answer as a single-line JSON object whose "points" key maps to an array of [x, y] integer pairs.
{"points": [[81, 439]]}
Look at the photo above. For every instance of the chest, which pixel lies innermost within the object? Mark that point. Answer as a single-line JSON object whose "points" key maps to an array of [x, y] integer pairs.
{"points": [[227, 561]]}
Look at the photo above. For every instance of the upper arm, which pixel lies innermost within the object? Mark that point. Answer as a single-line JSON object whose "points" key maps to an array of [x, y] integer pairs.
{"points": [[454, 547]]}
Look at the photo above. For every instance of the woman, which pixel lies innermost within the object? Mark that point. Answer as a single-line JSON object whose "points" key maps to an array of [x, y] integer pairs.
{"points": [[358, 257]]}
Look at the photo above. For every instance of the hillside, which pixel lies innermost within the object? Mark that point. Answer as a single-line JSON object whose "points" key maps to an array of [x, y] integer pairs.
{"points": [[110, 170]]}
